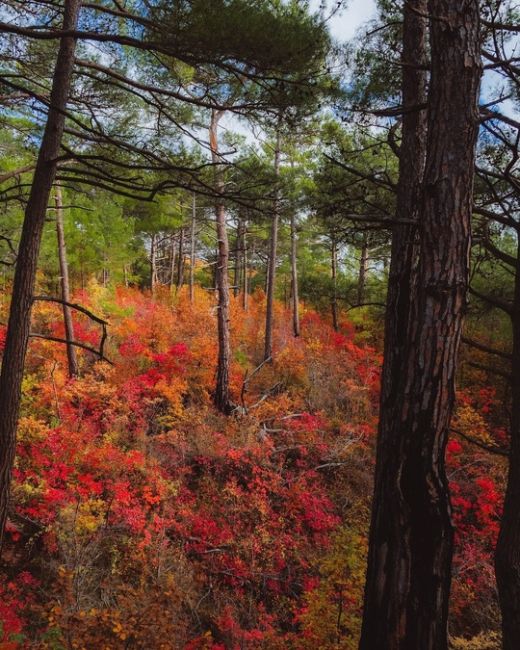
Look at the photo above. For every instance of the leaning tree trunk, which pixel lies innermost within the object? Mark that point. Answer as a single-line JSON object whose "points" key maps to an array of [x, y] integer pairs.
{"points": [[17, 336], [411, 536], [507, 554], [294, 277], [65, 285], [221, 397], [271, 270]]}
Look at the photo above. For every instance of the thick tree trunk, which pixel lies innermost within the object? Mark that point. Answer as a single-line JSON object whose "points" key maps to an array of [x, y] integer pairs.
{"points": [[65, 285], [363, 263], [18, 328], [334, 277], [294, 277], [221, 398], [271, 271], [193, 235], [507, 555], [411, 537]]}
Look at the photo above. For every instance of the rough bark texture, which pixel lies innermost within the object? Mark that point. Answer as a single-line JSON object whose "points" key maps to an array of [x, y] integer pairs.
{"points": [[411, 537], [507, 555], [294, 277], [18, 328], [271, 271], [221, 397], [65, 285]]}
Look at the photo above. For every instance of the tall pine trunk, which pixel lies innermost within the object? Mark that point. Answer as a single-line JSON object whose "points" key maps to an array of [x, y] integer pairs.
{"points": [[221, 397], [507, 554], [193, 235], [271, 270], [245, 262], [294, 277], [362, 277], [334, 278], [153, 262], [411, 536], [17, 336], [180, 261], [65, 285]]}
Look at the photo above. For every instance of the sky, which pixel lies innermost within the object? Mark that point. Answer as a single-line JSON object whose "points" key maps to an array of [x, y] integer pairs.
{"points": [[343, 26], [347, 23]]}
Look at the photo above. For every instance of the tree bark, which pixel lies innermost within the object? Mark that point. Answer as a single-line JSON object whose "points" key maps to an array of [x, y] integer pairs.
{"points": [[238, 259], [411, 536], [192, 247], [173, 261], [294, 277], [507, 554], [221, 397], [65, 285], [363, 262], [180, 261], [245, 279], [153, 262], [271, 271], [334, 277], [18, 328]]}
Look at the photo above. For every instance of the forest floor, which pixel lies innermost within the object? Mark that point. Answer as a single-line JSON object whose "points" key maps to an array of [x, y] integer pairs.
{"points": [[143, 518]]}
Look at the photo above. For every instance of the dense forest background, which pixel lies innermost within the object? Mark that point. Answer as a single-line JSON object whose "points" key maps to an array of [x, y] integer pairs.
{"points": [[221, 233]]}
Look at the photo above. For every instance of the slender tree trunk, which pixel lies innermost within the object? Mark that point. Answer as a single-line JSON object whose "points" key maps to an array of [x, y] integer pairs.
{"points": [[173, 261], [180, 261], [507, 554], [245, 287], [271, 271], [17, 336], [411, 536], [153, 262], [294, 277], [237, 260], [65, 285], [193, 235], [221, 398], [334, 276], [363, 263]]}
